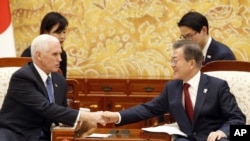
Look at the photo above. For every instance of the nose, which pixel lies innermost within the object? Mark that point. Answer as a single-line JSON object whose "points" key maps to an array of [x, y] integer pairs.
{"points": [[172, 64], [59, 58], [62, 36]]}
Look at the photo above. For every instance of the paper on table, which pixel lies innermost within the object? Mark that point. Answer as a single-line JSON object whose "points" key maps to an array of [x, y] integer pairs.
{"points": [[172, 129], [64, 127], [97, 135]]}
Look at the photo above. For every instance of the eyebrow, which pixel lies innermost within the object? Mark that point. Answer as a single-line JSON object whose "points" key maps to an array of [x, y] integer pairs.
{"points": [[186, 34]]}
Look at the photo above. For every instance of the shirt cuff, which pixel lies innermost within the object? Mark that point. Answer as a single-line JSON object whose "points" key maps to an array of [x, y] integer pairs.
{"points": [[119, 118], [77, 119]]}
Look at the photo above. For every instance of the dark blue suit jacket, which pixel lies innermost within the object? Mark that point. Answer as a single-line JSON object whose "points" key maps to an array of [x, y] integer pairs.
{"points": [[215, 108], [218, 51], [26, 108]]}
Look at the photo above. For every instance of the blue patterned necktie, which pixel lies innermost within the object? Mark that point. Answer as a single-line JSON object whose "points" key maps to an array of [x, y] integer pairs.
{"points": [[50, 89]]}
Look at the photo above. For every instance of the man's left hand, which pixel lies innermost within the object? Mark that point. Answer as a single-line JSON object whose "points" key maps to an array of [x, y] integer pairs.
{"points": [[217, 135]]}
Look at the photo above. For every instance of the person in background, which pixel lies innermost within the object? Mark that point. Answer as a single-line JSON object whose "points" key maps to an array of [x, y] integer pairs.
{"points": [[194, 26], [204, 110], [53, 23], [29, 107]]}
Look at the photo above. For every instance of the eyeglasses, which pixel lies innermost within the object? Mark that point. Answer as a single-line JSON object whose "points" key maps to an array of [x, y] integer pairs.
{"points": [[173, 61], [188, 36]]}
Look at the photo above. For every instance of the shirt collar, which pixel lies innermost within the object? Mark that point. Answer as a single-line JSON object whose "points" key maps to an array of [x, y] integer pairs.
{"points": [[204, 51], [42, 74], [195, 80]]}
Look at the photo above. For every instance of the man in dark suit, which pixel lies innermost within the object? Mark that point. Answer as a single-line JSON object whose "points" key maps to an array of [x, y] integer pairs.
{"points": [[29, 108], [194, 26], [212, 107]]}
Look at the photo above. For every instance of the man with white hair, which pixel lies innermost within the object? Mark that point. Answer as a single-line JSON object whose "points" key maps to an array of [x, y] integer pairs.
{"points": [[31, 105]]}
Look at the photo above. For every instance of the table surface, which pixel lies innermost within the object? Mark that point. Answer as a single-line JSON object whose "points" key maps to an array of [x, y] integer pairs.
{"points": [[134, 135]]}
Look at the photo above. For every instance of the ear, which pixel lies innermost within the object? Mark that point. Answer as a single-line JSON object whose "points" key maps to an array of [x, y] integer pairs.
{"points": [[39, 55], [204, 29], [192, 63]]}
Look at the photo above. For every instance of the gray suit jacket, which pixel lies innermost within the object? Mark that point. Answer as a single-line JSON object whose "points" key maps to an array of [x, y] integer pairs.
{"points": [[26, 108], [215, 108]]}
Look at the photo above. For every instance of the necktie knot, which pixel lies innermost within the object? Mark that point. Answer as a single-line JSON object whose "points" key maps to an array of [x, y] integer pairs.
{"points": [[186, 86], [48, 81]]}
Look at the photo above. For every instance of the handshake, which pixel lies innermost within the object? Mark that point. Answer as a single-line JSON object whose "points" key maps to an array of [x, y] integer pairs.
{"points": [[87, 122]]}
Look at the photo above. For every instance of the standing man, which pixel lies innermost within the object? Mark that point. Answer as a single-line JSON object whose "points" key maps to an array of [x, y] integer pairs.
{"points": [[32, 103], [194, 26], [203, 106]]}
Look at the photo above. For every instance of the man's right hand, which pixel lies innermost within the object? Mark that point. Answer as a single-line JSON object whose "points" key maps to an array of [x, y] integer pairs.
{"points": [[87, 123], [111, 117]]}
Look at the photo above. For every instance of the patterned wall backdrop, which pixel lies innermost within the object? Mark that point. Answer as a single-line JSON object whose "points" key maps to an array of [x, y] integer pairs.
{"points": [[130, 37]]}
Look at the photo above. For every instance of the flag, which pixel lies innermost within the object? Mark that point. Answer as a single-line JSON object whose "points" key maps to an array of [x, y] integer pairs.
{"points": [[7, 47]]}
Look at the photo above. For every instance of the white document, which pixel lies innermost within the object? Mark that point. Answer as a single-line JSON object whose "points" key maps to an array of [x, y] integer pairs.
{"points": [[96, 135], [171, 129]]}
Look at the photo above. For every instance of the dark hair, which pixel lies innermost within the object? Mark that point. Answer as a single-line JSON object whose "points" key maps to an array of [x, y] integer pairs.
{"points": [[191, 51], [193, 20], [51, 19]]}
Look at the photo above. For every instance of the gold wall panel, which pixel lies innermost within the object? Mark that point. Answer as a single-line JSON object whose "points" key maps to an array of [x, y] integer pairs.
{"points": [[129, 37]]}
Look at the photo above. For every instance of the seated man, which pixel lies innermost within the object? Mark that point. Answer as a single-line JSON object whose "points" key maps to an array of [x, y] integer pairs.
{"points": [[203, 106], [36, 97]]}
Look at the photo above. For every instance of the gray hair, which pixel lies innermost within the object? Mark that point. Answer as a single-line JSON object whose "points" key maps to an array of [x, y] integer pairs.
{"points": [[41, 43], [191, 51]]}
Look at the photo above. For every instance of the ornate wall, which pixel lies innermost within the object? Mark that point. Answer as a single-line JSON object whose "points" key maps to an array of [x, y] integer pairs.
{"points": [[130, 37]]}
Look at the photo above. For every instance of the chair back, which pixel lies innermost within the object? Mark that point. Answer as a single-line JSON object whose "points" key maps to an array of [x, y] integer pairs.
{"points": [[237, 74], [8, 66], [72, 93]]}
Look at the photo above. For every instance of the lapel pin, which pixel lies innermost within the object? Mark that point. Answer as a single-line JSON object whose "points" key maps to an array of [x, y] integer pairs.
{"points": [[205, 91], [209, 56], [56, 85]]}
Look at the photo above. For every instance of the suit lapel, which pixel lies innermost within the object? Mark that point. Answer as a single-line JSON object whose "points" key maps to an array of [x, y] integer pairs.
{"points": [[201, 96], [55, 86], [182, 116], [39, 80], [210, 52]]}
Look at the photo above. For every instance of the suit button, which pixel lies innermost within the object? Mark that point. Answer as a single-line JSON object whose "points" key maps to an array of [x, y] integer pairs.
{"points": [[194, 133]]}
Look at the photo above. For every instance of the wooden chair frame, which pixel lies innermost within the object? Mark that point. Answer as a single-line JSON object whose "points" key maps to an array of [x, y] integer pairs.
{"points": [[72, 93], [226, 65], [14, 61]]}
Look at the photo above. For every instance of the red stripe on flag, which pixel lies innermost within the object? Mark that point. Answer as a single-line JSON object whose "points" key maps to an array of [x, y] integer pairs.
{"points": [[5, 15]]}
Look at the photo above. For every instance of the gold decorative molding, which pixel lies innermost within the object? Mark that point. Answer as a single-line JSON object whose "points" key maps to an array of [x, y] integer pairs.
{"points": [[129, 37]]}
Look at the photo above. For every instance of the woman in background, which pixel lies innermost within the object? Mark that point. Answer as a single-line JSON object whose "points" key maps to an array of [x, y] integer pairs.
{"points": [[53, 23]]}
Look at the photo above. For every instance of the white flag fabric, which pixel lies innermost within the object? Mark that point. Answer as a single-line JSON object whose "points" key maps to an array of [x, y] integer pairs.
{"points": [[7, 47]]}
